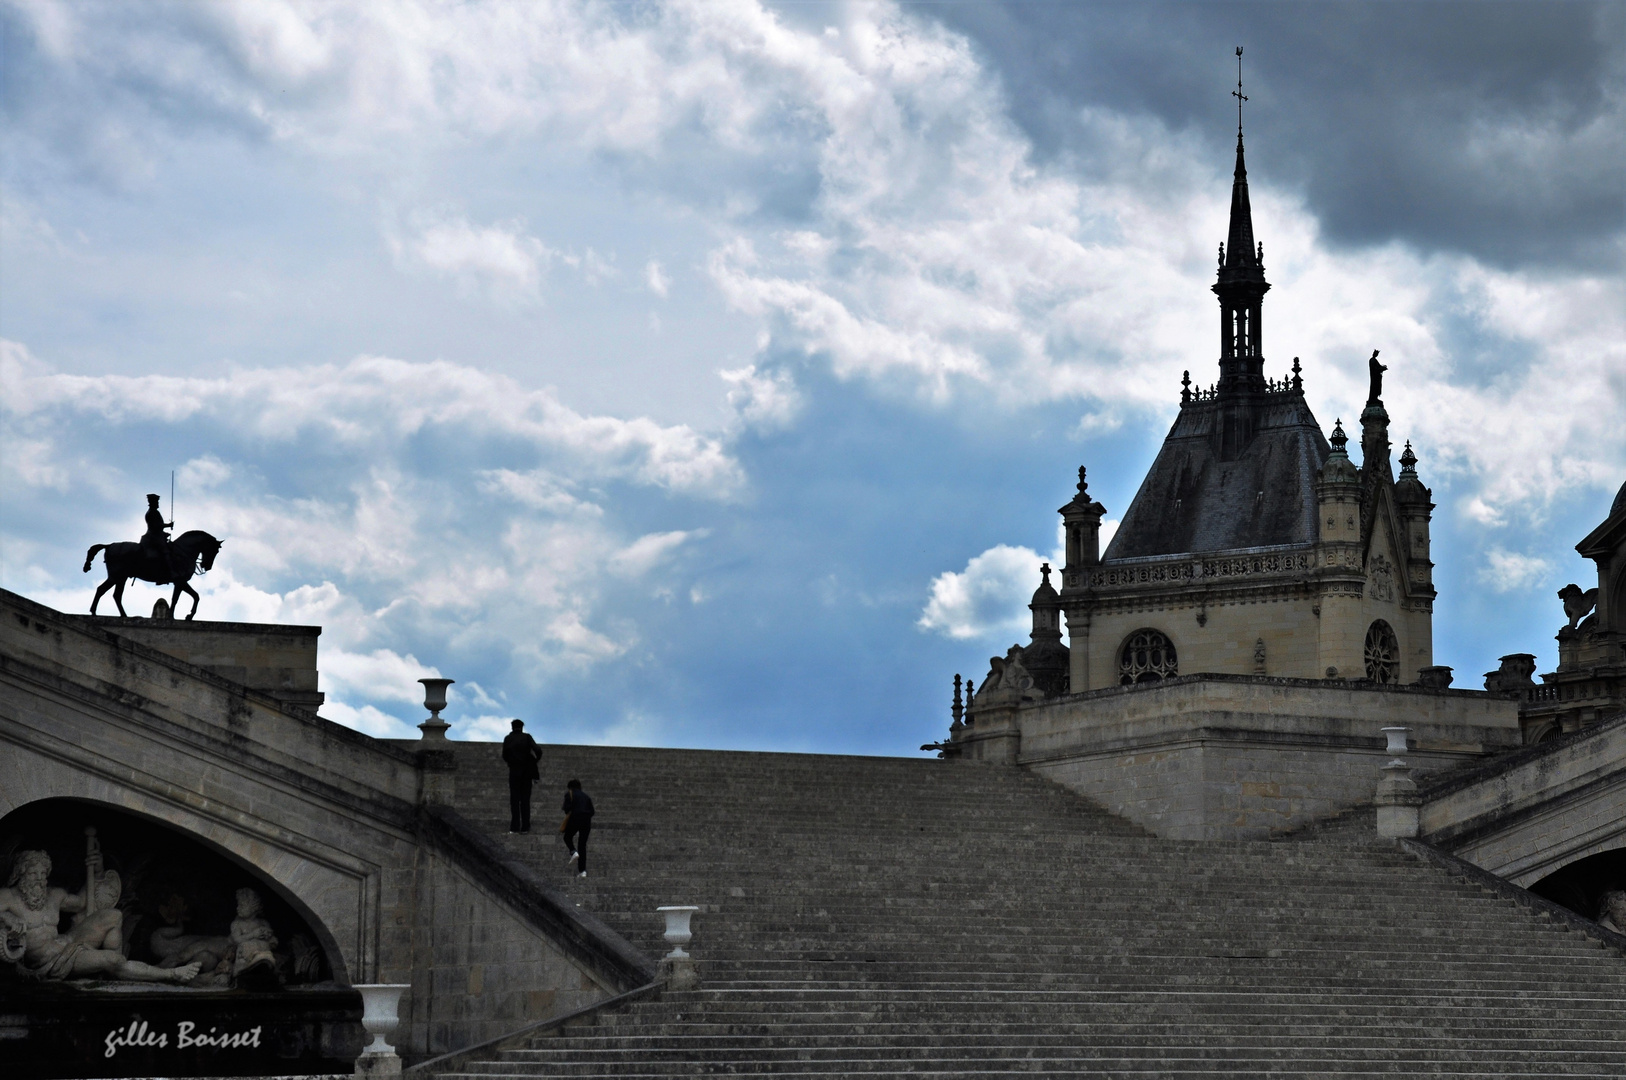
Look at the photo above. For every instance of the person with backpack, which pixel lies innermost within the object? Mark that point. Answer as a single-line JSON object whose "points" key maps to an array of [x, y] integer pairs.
{"points": [[577, 825]]}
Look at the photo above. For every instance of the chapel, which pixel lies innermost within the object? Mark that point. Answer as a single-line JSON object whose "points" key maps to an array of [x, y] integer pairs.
{"points": [[1255, 545]]}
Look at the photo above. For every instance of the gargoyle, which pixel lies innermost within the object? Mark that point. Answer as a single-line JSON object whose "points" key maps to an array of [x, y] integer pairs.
{"points": [[1577, 603]]}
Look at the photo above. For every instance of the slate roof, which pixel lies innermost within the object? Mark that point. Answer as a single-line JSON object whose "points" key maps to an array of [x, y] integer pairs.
{"points": [[1193, 501]]}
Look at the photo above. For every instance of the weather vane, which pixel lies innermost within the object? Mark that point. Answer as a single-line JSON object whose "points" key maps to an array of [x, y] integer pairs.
{"points": [[1237, 93]]}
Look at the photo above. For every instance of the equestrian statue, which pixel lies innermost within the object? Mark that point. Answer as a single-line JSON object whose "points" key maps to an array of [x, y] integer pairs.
{"points": [[157, 559]]}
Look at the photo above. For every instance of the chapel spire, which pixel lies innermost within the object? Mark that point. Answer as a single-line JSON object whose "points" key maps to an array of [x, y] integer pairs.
{"points": [[1241, 283]]}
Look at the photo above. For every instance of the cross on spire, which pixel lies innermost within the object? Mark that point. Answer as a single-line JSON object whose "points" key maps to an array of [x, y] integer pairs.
{"points": [[1237, 93]]}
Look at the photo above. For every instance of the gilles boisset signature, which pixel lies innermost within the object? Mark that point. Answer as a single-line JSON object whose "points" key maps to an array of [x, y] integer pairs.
{"points": [[138, 1034]]}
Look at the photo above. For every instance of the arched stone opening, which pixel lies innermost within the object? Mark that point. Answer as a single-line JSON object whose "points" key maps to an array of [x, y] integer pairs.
{"points": [[194, 963], [158, 863], [1147, 656], [1583, 884]]}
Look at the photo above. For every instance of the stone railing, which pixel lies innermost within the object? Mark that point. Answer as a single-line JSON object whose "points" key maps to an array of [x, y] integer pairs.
{"points": [[1181, 569]]}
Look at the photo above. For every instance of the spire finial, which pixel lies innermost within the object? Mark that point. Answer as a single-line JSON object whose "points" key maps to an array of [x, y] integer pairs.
{"points": [[1339, 439], [1083, 488], [1044, 567], [1408, 461], [1238, 94], [1298, 379]]}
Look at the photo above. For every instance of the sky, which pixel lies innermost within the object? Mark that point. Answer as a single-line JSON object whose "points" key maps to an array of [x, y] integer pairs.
{"points": [[709, 374]]}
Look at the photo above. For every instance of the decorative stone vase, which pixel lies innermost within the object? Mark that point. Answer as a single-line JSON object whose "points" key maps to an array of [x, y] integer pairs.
{"points": [[434, 699], [677, 929], [380, 1016], [1397, 740]]}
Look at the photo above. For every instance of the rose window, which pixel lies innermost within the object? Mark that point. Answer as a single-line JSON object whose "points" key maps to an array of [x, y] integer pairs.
{"points": [[1382, 654]]}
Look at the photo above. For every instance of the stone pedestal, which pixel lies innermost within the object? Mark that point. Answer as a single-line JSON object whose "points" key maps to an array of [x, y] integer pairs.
{"points": [[1397, 801], [379, 1065], [678, 972]]}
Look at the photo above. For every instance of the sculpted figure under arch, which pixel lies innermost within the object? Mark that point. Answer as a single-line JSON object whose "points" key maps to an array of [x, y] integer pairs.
{"points": [[31, 909]]}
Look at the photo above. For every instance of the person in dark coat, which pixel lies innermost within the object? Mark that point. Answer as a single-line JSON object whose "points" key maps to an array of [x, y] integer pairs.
{"points": [[578, 824], [521, 754]]}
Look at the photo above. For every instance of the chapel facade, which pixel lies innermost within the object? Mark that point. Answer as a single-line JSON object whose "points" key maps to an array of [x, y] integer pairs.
{"points": [[1255, 545]]}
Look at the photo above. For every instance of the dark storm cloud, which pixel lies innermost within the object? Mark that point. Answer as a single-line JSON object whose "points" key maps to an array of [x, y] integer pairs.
{"points": [[1496, 130]]}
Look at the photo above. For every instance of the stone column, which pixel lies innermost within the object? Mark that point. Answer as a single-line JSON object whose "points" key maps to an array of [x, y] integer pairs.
{"points": [[1078, 650]]}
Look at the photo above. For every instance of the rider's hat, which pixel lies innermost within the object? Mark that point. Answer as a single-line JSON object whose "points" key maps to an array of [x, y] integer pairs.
{"points": [[153, 497]]}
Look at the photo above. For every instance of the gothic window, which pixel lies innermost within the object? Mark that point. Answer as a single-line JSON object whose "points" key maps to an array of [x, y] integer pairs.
{"points": [[1382, 653], [1148, 656]]}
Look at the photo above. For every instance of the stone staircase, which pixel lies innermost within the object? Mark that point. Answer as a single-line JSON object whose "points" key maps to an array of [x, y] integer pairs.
{"points": [[876, 916]]}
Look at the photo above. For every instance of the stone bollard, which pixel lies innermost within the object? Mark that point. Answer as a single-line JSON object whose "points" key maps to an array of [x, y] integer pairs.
{"points": [[677, 966], [1397, 800], [380, 1016]]}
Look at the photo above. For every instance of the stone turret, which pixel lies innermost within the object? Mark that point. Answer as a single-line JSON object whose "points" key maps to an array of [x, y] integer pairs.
{"points": [[1045, 657], [1081, 525], [1414, 503]]}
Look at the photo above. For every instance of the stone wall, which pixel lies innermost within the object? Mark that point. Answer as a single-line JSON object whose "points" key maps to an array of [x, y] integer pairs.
{"points": [[279, 660], [1529, 814], [331, 819], [1216, 756]]}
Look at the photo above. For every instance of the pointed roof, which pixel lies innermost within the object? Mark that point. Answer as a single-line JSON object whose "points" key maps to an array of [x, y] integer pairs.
{"points": [[1194, 499], [1240, 252]]}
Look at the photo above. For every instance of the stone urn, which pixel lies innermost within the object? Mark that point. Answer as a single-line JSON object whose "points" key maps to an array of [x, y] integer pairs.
{"points": [[434, 699], [380, 1016], [677, 929], [1397, 741]]}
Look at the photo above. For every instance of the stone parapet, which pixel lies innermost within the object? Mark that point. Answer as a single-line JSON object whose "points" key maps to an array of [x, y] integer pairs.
{"points": [[1531, 812], [1233, 756], [275, 659]]}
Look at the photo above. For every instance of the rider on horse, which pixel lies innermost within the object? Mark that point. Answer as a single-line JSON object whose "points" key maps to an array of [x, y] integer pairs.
{"points": [[154, 542]]}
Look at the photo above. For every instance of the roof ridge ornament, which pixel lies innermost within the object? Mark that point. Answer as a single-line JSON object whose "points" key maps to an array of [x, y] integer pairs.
{"points": [[1339, 439]]}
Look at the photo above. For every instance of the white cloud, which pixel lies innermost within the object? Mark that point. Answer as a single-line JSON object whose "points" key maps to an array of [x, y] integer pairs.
{"points": [[656, 279], [988, 599], [647, 552], [1511, 571], [762, 399], [373, 402], [501, 260]]}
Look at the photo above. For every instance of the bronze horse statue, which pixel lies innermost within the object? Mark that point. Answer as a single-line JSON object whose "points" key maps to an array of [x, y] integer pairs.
{"points": [[192, 552]]}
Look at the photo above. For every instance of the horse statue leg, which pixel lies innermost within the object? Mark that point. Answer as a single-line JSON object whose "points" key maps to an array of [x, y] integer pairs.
{"points": [[101, 590], [181, 586], [118, 597]]}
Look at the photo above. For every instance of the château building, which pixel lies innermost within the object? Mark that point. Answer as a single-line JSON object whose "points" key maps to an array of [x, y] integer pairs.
{"points": [[1265, 606], [1255, 545]]}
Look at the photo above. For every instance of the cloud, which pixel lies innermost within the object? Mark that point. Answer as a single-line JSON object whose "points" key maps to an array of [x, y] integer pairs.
{"points": [[988, 599], [501, 260], [647, 552], [765, 400], [1511, 571], [656, 279], [373, 402]]}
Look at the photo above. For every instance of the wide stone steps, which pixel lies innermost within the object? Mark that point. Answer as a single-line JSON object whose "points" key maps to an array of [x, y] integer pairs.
{"points": [[867, 916]]}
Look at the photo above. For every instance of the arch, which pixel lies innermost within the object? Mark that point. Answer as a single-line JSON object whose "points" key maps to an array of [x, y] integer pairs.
{"points": [[127, 838], [342, 885], [1580, 885], [1382, 653], [1146, 656]]}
